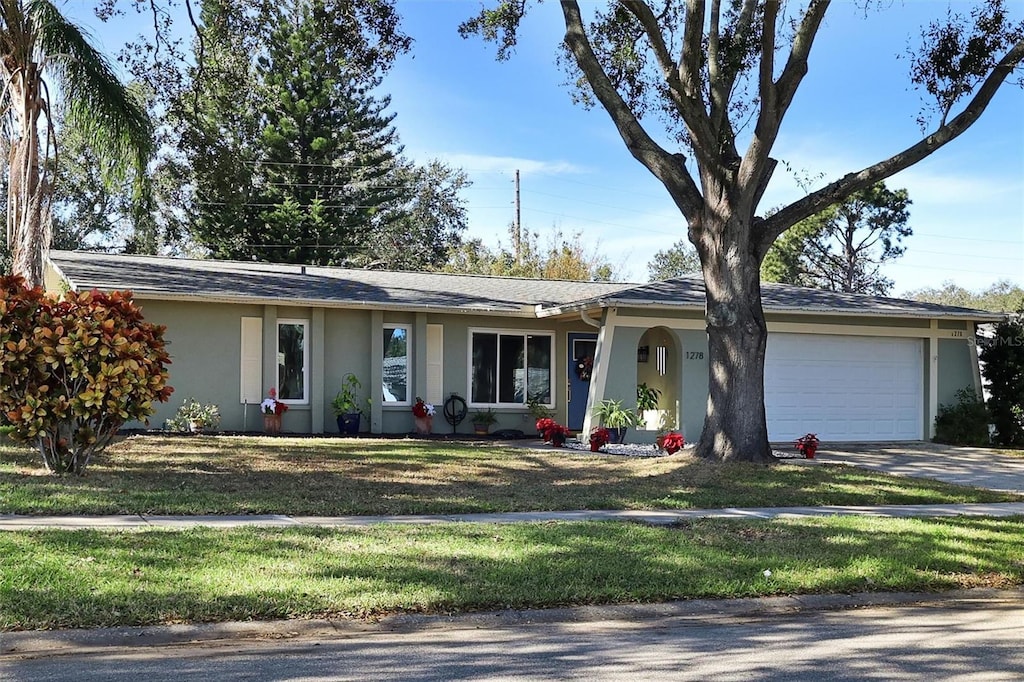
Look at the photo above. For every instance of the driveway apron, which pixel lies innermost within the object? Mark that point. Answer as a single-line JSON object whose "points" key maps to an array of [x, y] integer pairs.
{"points": [[977, 467]]}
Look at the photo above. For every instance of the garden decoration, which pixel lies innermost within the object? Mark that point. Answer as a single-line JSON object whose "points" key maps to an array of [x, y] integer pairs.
{"points": [[584, 368], [272, 409], [454, 410], [599, 437], [807, 445], [423, 416]]}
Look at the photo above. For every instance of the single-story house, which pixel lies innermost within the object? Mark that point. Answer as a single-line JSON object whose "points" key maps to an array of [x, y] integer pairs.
{"points": [[847, 367]]}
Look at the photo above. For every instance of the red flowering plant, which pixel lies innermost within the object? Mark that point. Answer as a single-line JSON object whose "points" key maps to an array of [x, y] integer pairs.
{"points": [[673, 442], [599, 437], [557, 434], [807, 445], [544, 427], [422, 409], [271, 405]]}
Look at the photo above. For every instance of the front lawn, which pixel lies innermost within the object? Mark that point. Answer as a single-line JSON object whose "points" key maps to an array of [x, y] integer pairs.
{"points": [[334, 476], [52, 579]]}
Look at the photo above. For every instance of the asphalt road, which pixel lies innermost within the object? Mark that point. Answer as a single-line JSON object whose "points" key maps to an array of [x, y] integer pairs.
{"points": [[961, 640]]}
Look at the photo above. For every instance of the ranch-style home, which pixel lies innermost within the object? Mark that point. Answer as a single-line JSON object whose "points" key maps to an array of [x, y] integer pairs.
{"points": [[847, 367]]}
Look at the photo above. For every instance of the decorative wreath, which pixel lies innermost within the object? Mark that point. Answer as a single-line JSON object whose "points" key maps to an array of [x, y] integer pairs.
{"points": [[584, 368]]}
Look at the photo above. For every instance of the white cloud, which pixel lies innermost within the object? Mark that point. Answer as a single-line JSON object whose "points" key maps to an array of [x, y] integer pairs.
{"points": [[482, 163]]}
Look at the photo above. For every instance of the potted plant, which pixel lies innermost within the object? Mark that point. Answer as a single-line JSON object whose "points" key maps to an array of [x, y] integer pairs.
{"points": [[272, 409], [646, 401], [672, 442], [807, 445], [557, 435], [482, 421], [423, 416], [544, 425], [599, 437], [195, 417], [346, 405], [616, 418]]}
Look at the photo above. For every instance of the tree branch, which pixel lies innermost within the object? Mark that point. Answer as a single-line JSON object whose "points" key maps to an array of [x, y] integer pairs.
{"points": [[835, 192], [776, 97], [665, 166]]}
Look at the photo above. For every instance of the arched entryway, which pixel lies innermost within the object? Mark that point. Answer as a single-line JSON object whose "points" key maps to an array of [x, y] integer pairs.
{"points": [[657, 367]]}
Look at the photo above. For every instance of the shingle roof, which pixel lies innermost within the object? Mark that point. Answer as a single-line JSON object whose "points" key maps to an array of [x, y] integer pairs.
{"points": [[184, 279], [178, 278], [688, 292]]}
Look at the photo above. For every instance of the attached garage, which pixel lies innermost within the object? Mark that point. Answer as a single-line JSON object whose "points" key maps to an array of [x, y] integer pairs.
{"points": [[844, 388]]}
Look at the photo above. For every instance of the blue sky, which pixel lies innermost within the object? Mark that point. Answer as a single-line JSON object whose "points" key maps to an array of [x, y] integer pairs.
{"points": [[855, 107]]}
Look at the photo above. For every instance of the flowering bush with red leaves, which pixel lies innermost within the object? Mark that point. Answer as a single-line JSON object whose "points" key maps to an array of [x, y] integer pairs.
{"points": [[807, 445], [544, 426], [557, 434], [74, 369], [673, 442], [600, 436]]}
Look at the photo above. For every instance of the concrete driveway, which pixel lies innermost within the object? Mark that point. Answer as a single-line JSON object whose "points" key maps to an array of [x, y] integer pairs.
{"points": [[978, 467]]}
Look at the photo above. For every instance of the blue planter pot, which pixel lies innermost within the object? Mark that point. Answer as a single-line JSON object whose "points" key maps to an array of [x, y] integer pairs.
{"points": [[348, 424]]}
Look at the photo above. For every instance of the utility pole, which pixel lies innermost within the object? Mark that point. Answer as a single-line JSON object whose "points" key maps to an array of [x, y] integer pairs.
{"points": [[517, 227]]}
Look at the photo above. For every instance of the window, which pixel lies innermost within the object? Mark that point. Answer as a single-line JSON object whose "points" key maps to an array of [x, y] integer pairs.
{"points": [[510, 368], [292, 361], [396, 364]]}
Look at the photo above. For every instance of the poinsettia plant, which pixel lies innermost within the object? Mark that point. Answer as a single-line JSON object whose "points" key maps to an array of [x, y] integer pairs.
{"points": [[421, 409], [557, 434], [271, 405], [673, 442], [544, 425], [807, 445], [600, 436]]}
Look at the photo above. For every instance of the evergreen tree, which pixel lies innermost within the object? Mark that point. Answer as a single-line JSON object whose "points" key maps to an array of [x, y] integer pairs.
{"points": [[328, 149], [295, 158]]}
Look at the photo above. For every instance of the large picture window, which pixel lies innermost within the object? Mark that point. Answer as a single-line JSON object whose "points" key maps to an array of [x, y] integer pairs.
{"points": [[396, 364], [293, 360], [510, 368]]}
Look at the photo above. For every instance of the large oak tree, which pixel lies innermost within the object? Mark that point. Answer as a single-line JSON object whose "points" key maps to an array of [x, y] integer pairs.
{"points": [[706, 68]]}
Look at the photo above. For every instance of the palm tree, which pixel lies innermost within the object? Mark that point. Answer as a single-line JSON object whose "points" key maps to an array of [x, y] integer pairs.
{"points": [[38, 45]]}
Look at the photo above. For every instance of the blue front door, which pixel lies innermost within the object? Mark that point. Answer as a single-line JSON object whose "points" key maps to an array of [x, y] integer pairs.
{"points": [[580, 364]]}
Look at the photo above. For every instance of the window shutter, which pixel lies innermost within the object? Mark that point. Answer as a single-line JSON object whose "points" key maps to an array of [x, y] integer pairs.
{"points": [[435, 364], [252, 360]]}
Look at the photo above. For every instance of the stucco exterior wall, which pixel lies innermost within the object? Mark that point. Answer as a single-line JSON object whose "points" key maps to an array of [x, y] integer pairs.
{"points": [[955, 370], [203, 340]]}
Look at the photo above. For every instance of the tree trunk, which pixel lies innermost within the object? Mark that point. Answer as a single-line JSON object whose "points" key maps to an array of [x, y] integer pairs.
{"points": [[27, 231], [734, 424]]}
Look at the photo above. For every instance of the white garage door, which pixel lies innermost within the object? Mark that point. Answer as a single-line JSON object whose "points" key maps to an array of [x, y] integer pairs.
{"points": [[844, 388]]}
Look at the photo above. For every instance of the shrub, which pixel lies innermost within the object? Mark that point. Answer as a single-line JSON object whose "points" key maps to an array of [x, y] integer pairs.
{"points": [[1003, 356], [194, 416], [74, 369], [965, 423]]}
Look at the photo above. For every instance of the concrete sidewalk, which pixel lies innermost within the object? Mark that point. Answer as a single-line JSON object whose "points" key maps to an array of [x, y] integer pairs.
{"points": [[654, 517]]}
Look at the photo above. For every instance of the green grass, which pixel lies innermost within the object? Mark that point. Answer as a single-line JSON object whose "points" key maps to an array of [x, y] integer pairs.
{"points": [[331, 476], [51, 579]]}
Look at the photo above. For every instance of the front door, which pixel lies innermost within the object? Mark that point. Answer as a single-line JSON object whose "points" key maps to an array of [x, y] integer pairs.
{"points": [[580, 364]]}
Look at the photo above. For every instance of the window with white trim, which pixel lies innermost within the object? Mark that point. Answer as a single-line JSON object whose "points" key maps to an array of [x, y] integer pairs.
{"points": [[293, 361], [510, 368], [395, 374]]}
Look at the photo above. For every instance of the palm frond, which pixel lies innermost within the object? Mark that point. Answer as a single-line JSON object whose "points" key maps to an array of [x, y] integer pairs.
{"points": [[94, 99]]}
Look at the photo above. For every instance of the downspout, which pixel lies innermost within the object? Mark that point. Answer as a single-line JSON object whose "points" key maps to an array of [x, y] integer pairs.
{"points": [[589, 320]]}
